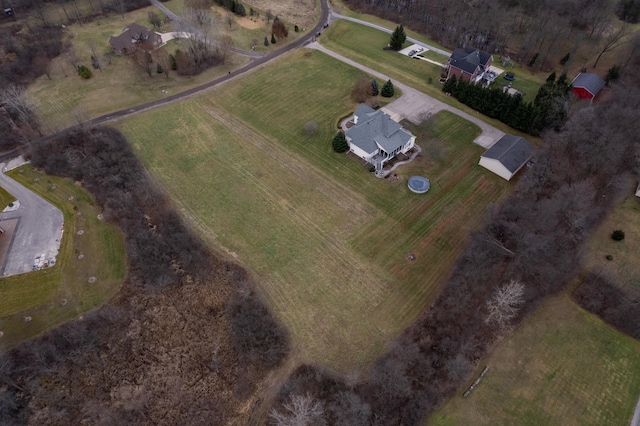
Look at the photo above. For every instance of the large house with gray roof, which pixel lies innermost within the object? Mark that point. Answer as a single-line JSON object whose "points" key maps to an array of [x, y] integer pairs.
{"points": [[133, 37], [507, 156], [376, 138], [470, 64]]}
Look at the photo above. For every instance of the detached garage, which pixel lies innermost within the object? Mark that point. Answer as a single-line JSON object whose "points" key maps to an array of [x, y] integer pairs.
{"points": [[586, 85], [507, 156]]}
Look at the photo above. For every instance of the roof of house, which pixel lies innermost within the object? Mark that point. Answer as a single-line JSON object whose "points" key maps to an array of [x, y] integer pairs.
{"points": [[376, 129], [591, 82], [128, 36], [511, 151], [469, 59]]}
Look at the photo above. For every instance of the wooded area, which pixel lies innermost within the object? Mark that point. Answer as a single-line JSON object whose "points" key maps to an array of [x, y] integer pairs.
{"points": [[532, 239], [534, 32], [186, 338]]}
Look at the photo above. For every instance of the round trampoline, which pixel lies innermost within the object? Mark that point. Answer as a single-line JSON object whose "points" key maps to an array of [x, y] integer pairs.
{"points": [[419, 184]]}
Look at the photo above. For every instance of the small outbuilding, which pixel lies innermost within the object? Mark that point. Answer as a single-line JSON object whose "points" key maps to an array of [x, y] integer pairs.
{"points": [[507, 156], [587, 85]]}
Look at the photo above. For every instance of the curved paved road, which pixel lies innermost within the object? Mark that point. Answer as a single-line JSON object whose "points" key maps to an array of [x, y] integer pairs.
{"points": [[415, 106], [38, 232], [333, 15]]}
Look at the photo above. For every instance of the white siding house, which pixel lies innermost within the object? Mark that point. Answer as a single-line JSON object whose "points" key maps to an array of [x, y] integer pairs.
{"points": [[376, 138], [507, 156]]}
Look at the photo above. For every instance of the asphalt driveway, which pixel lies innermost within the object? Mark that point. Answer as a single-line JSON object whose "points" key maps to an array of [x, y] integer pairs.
{"points": [[38, 232]]}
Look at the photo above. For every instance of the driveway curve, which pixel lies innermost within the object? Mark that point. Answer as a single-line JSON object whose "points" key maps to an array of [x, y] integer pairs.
{"points": [[415, 106], [334, 15], [38, 232]]}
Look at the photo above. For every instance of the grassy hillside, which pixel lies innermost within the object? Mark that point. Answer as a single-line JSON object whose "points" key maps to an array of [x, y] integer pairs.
{"points": [[563, 366], [324, 238]]}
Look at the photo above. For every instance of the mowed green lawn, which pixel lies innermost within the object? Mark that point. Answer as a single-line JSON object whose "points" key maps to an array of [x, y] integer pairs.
{"points": [[42, 294], [623, 269], [5, 199], [324, 239], [563, 366], [364, 44]]}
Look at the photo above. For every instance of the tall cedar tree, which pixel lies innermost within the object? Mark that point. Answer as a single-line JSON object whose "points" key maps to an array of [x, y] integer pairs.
{"points": [[375, 90], [398, 38], [387, 90]]}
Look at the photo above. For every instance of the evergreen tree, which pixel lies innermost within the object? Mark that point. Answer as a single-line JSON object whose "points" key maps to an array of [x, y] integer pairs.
{"points": [[450, 84], [273, 39], [266, 41], [375, 90], [613, 74], [239, 9], [340, 143], [387, 90], [398, 38], [552, 78]]}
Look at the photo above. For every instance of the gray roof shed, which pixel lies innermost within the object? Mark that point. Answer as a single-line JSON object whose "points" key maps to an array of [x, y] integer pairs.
{"points": [[511, 152], [593, 83]]}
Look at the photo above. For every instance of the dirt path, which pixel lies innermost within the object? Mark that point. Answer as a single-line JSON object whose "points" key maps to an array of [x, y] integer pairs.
{"points": [[414, 105]]}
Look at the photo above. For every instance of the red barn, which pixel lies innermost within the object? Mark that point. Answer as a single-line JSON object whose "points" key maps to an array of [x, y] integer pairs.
{"points": [[586, 85]]}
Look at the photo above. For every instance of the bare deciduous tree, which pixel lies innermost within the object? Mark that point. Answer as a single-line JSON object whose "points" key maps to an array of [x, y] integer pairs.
{"points": [[226, 44], [361, 90], [95, 59], [229, 20], [311, 128], [300, 410], [161, 56], [154, 19], [198, 25], [615, 39], [505, 304], [19, 106], [142, 59], [269, 14]]}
